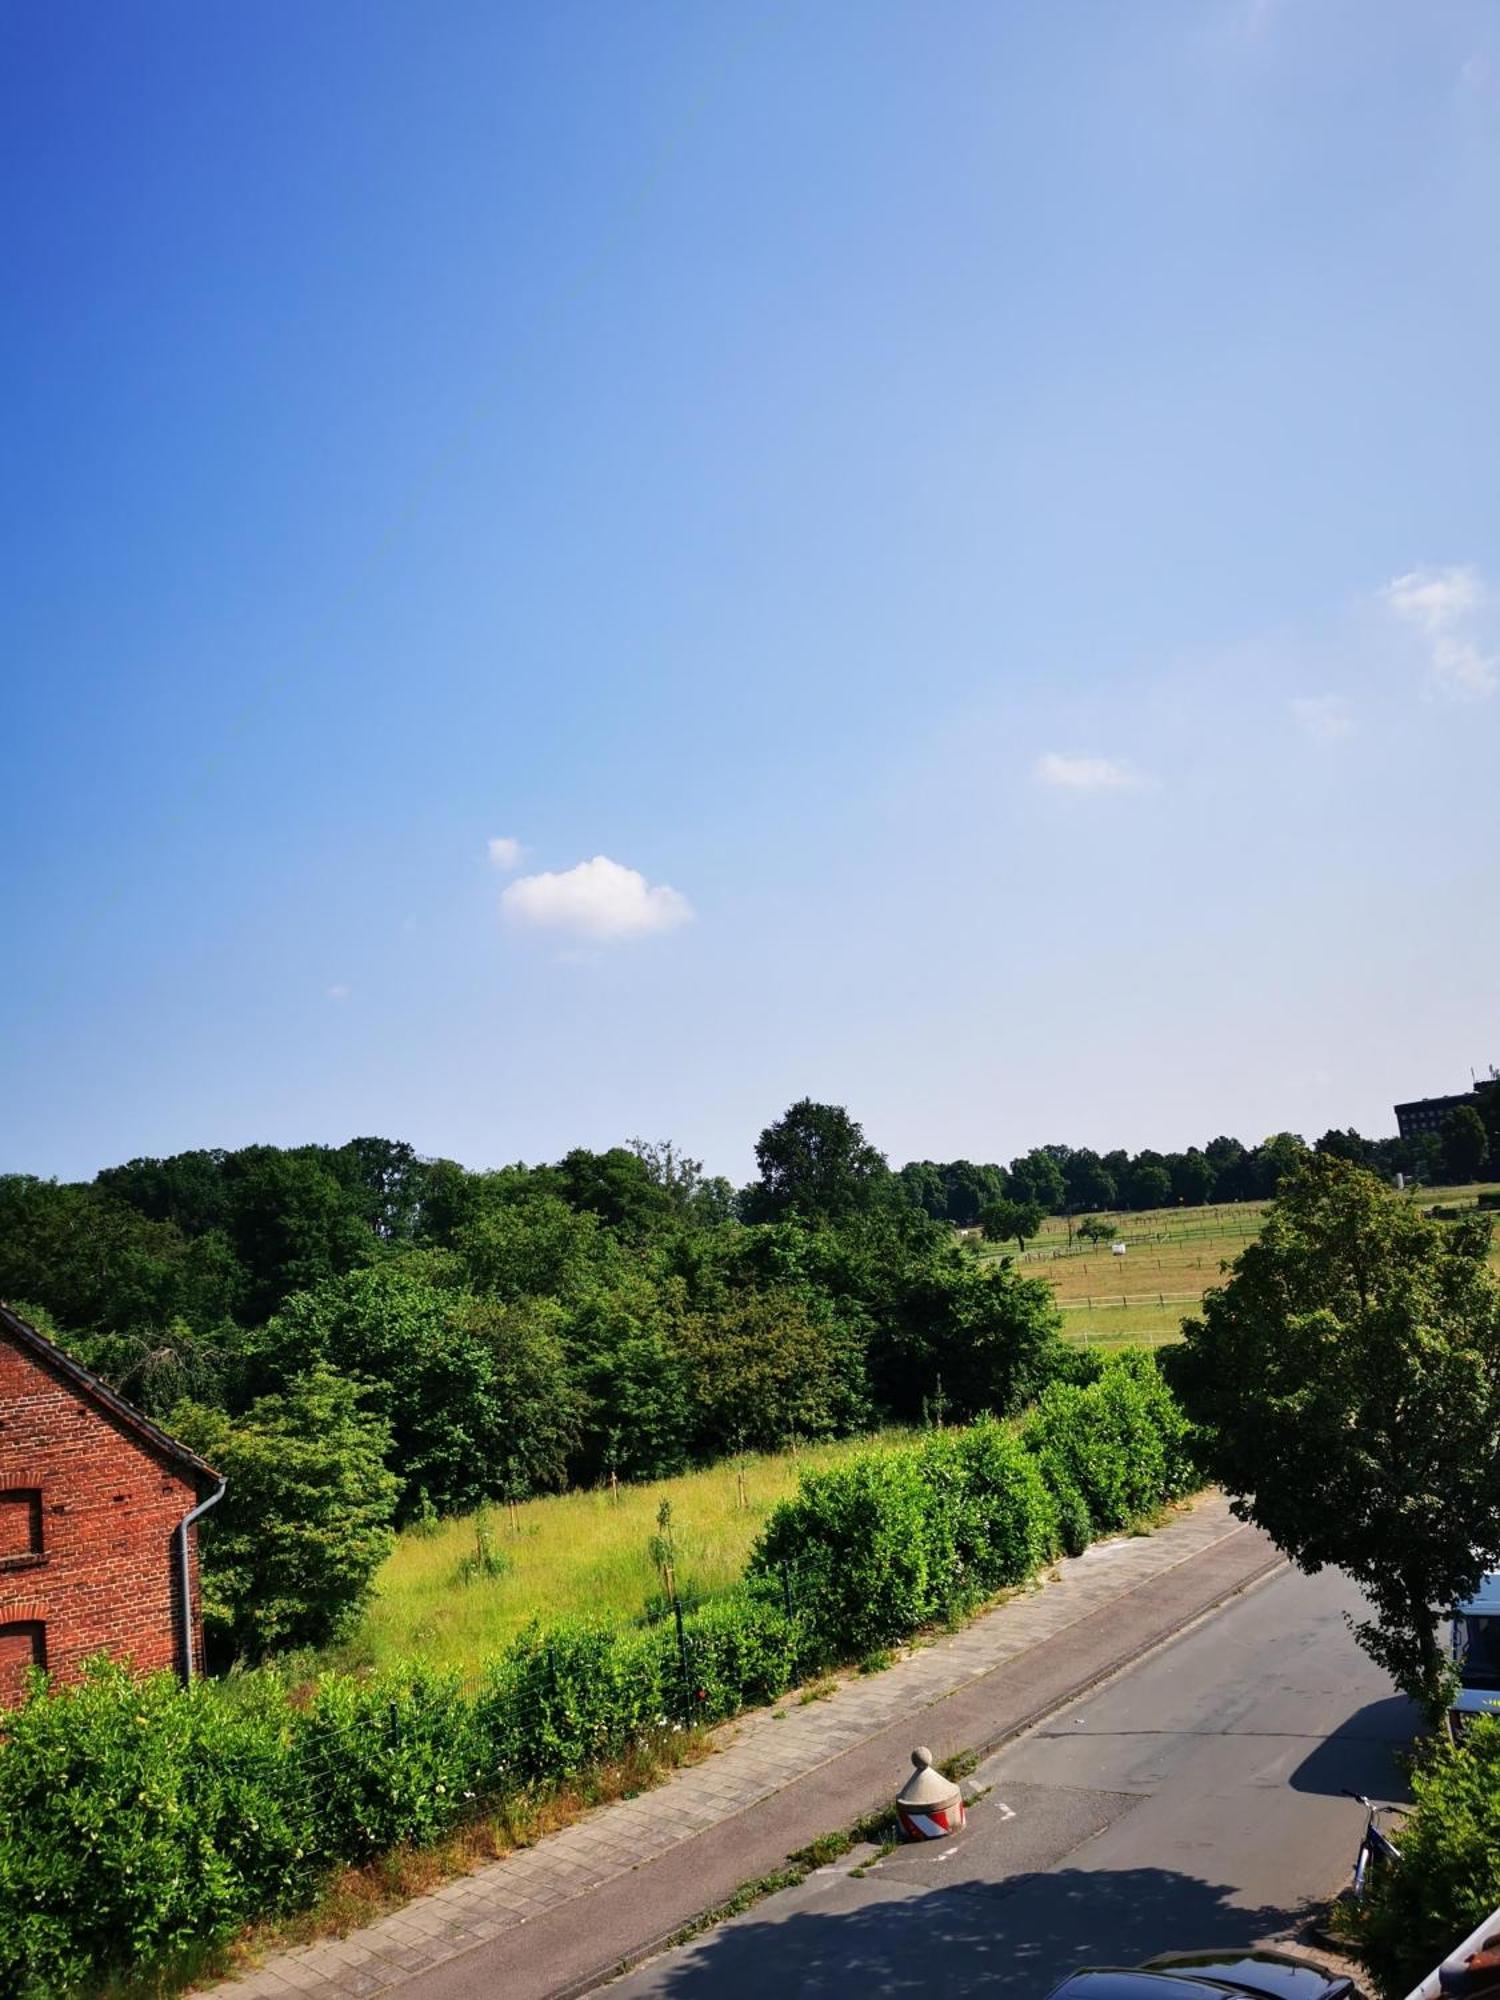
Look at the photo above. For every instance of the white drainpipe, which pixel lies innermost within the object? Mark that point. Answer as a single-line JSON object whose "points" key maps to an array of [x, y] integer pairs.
{"points": [[187, 1574]]}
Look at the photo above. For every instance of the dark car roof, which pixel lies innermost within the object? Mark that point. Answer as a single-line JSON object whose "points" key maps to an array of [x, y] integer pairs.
{"points": [[1222, 1975], [1104, 1984]]}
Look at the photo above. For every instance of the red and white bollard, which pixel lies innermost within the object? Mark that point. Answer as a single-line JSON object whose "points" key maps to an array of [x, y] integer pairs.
{"points": [[929, 1806]]}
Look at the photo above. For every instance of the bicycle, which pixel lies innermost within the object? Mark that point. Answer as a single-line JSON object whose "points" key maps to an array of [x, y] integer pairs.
{"points": [[1376, 1848]]}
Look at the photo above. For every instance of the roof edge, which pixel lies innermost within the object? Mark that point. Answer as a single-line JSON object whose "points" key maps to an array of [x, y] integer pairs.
{"points": [[99, 1392]]}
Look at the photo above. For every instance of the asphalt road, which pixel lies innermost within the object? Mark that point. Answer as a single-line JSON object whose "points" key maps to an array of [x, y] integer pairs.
{"points": [[1195, 1801]]}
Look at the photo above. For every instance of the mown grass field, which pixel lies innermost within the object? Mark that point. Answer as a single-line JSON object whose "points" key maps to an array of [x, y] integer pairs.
{"points": [[1172, 1256], [584, 1554]]}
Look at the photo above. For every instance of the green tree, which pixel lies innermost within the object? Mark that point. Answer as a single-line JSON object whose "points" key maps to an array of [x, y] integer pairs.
{"points": [[1088, 1182], [767, 1367], [1192, 1176], [476, 1392], [628, 1367], [1449, 1878], [1466, 1145], [1006, 1220], [921, 1183], [816, 1162], [1037, 1177], [290, 1553], [1347, 1378], [1149, 1184]]}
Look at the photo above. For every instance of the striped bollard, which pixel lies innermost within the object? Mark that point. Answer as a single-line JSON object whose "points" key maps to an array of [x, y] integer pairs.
{"points": [[929, 1806]]}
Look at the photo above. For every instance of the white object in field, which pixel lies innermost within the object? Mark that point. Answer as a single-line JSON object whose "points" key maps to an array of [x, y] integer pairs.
{"points": [[1117, 1249], [1400, 1182]]}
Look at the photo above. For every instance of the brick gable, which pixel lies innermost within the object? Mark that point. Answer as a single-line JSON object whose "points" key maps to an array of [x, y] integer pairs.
{"points": [[92, 1495]]}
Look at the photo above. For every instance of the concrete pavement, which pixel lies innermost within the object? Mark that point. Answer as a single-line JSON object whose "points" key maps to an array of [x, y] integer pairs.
{"points": [[1196, 1801], [563, 1915]]}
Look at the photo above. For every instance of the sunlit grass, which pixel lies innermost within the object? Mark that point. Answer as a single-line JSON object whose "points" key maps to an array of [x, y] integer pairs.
{"points": [[1172, 1256], [572, 1554]]}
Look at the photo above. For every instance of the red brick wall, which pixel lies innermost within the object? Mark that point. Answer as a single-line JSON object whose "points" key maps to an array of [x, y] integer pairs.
{"points": [[106, 1579]]}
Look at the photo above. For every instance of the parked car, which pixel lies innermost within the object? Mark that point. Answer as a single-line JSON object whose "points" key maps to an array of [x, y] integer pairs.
{"points": [[1476, 1649], [1210, 1975]]}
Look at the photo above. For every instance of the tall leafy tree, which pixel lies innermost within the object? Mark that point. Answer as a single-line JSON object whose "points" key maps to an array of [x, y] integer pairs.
{"points": [[290, 1553], [1466, 1145], [1006, 1221], [1037, 1177], [476, 1393], [1347, 1378], [816, 1162]]}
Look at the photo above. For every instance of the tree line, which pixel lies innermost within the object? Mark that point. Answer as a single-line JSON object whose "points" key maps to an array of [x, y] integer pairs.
{"points": [[1075, 1180], [362, 1338]]}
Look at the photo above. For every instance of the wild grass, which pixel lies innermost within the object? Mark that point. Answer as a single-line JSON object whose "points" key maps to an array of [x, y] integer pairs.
{"points": [[457, 1593]]}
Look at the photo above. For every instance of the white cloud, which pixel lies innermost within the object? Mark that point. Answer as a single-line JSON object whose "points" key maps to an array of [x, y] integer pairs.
{"points": [[1442, 605], [338, 992], [1088, 774], [598, 899], [505, 853], [1325, 716]]}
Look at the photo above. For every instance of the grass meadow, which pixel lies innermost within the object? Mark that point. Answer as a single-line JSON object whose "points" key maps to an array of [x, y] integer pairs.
{"points": [[589, 1553], [583, 1554], [1172, 1256]]}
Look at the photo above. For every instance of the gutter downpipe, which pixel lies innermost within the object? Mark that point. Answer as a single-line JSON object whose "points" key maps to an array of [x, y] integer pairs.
{"points": [[187, 1574]]}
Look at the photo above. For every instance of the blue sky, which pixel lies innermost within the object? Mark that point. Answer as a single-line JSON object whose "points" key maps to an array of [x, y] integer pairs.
{"points": [[978, 524]]}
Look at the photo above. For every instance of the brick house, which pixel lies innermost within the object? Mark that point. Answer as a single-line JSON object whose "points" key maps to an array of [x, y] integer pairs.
{"points": [[98, 1547]]}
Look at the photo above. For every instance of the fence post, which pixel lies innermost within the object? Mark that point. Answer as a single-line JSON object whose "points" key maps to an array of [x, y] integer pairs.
{"points": [[682, 1660], [786, 1588]]}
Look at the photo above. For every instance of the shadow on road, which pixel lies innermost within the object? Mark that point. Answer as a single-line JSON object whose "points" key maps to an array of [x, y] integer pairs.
{"points": [[1019, 1937], [1361, 1754]]}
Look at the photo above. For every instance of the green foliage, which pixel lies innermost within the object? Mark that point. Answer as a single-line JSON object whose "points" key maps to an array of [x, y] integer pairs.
{"points": [[290, 1553], [1005, 1221], [870, 1548], [476, 1393], [1466, 1145], [629, 1371], [765, 1367], [396, 1759], [1008, 1524], [742, 1652], [1347, 1383], [815, 1162], [1121, 1442], [562, 1698], [890, 1541], [1449, 1878], [139, 1820]]}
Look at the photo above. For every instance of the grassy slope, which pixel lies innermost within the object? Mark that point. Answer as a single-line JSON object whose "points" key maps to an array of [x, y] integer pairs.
{"points": [[587, 1554], [1173, 1255], [575, 1554]]}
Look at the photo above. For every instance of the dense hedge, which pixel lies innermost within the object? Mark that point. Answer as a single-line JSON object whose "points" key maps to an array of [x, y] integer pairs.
{"points": [[141, 1821], [889, 1541]]}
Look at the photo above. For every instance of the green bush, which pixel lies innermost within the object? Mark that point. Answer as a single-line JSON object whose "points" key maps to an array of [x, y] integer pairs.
{"points": [[1122, 1442], [393, 1760], [871, 1552], [1449, 1878], [741, 1653], [1009, 1523], [564, 1697], [140, 1820]]}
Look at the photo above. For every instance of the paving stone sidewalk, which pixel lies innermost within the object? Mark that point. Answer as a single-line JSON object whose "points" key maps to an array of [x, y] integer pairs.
{"points": [[756, 1756]]}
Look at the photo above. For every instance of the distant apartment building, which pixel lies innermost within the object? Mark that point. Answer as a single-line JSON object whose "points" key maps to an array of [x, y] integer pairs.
{"points": [[1426, 1114]]}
